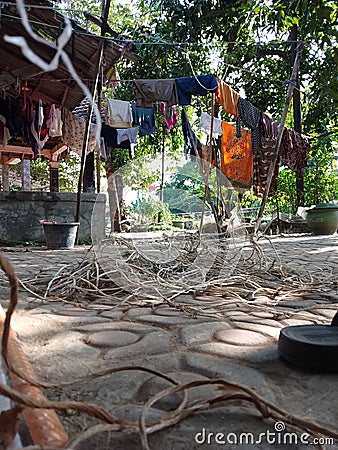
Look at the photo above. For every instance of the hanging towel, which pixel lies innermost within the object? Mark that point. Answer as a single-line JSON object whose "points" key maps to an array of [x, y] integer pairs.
{"points": [[127, 134], [189, 86], [147, 92], [192, 146], [205, 124], [237, 156], [144, 118], [227, 98], [170, 114], [118, 114]]}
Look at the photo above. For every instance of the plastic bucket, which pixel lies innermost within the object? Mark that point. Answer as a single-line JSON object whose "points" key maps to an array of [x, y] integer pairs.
{"points": [[60, 234]]}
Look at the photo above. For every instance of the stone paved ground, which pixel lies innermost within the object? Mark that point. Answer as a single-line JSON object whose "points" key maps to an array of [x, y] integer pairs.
{"points": [[63, 343]]}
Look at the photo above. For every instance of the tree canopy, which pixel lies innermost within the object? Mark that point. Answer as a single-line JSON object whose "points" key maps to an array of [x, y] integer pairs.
{"points": [[250, 44]]}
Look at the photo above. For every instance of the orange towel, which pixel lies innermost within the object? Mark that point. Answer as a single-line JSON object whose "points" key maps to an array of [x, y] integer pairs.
{"points": [[237, 156], [227, 98]]}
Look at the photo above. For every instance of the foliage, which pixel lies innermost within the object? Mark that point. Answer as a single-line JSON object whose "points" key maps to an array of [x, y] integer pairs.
{"points": [[184, 192], [69, 173], [150, 210], [249, 44], [39, 172], [321, 177]]}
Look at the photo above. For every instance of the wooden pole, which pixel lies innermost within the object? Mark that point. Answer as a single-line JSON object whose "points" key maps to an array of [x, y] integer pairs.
{"points": [[98, 150], [276, 151], [297, 116], [162, 165], [105, 13]]}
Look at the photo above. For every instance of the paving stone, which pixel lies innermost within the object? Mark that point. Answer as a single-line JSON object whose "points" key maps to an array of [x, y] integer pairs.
{"points": [[199, 432], [208, 298], [112, 314], [298, 388], [298, 303], [155, 385], [167, 311], [213, 367], [162, 363], [254, 354], [108, 440], [119, 325], [241, 337], [64, 350], [262, 314], [202, 332], [150, 344], [67, 343], [300, 392], [40, 310], [259, 328], [325, 313], [136, 312], [74, 312], [121, 387], [237, 316], [131, 412], [292, 322], [185, 298], [168, 321], [260, 321], [112, 339], [88, 318], [308, 316]]}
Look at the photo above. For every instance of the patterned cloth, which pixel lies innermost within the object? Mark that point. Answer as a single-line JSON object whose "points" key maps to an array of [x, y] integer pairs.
{"points": [[252, 118], [237, 156], [206, 162], [270, 127], [227, 98], [295, 149], [73, 130], [294, 146], [262, 165]]}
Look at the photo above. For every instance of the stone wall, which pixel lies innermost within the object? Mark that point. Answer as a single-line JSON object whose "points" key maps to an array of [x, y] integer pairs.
{"points": [[21, 213]]}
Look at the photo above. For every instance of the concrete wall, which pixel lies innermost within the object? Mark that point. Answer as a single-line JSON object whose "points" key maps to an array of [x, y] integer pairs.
{"points": [[21, 213]]}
